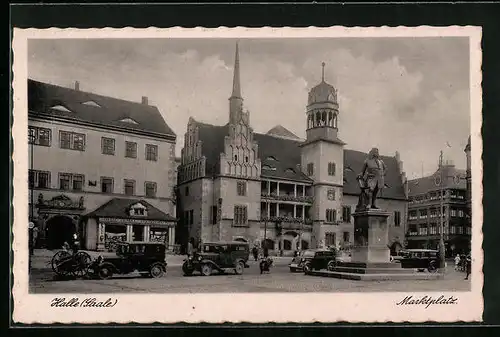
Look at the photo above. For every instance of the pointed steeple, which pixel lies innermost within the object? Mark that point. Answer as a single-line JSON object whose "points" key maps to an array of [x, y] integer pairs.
{"points": [[323, 72], [236, 75]]}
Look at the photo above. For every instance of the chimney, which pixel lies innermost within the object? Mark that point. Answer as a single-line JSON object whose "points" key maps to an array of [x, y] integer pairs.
{"points": [[144, 100], [77, 86]]}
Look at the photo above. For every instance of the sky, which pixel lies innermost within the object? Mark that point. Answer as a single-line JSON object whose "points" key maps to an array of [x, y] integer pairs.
{"points": [[409, 95]]}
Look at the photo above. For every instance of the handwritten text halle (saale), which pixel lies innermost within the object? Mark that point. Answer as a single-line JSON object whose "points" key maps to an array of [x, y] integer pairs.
{"points": [[75, 302]]}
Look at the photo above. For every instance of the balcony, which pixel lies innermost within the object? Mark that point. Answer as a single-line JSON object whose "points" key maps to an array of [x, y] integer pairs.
{"points": [[287, 222], [287, 197]]}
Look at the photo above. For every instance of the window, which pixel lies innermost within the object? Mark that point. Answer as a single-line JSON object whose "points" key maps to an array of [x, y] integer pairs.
{"points": [[213, 216], [240, 215], [412, 215], [72, 140], [130, 150], [108, 146], [39, 136], [69, 181], [150, 189], [78, 182], [129, 187], [460, 213], [331, 215], [330, 239], [331, 169], [235, 157], [346, 237], [106, 185], [241, 188], [310, 169], [151, 152], [453, 212], [39, 179], [433, 230], [346, 214], [423, 213], [186, 193], [397, 218]]}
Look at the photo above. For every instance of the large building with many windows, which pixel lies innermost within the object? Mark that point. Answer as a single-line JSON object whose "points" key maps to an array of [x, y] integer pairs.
{"points": [[275, 188], [424, 215], [99, 166]]}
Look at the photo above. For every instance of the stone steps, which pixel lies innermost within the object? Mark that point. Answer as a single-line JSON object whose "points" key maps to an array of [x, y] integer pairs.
{"points": [[377, 277], [372, 270]]}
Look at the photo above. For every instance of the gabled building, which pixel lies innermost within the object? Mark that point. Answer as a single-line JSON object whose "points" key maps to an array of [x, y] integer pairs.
{"points": [[424, 216], [236, 184], [88, 151]]}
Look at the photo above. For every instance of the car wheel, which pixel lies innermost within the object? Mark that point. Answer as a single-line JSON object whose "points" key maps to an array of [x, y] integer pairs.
{"points": [[331, 265], [156, 270], [105, 272], [206, 270], [239, 268], [187, 270], [307, 268]]}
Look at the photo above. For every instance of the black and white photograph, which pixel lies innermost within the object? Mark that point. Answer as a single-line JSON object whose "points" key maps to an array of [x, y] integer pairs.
{"points": [[280, 169]]}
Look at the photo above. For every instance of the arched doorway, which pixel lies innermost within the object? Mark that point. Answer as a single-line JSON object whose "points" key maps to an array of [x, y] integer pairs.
{"points": [[60, 228]]}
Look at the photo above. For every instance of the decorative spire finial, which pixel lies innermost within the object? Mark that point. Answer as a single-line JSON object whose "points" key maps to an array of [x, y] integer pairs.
{"points": [[236, 76], [323, 71]]}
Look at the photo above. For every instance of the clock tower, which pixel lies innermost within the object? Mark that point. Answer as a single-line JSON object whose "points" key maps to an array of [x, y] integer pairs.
{"points": [[322, 159]]}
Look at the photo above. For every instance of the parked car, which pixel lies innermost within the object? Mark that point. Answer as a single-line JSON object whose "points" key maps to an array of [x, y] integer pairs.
{"points": [[421, 259], [222, 257], [314, 259], [398, 256], [145, 257]]}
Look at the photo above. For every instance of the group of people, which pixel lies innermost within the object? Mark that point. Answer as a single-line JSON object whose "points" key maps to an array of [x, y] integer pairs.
{"points": [[260, 252], [463, 263]]}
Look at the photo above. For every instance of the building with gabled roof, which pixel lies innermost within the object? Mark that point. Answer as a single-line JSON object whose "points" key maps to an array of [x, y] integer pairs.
{"points": [[91, 154], [276, 188], [425, 218]]}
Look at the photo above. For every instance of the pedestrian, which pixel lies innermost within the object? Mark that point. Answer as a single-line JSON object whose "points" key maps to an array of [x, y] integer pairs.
{"points": [[457, 262], [468, 266], [255, 253], [190, 247]]}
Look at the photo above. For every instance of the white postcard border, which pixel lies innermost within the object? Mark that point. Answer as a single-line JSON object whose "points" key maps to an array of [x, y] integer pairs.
{"points": [[239, 307]]}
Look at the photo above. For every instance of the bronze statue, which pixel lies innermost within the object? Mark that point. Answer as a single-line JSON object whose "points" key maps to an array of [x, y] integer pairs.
{"points": [[371, 180]]}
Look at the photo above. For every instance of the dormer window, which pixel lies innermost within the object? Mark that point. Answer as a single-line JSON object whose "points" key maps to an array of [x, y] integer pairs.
{"points": [[128, 120], [138, 210], [60, 108], [91, 103]]}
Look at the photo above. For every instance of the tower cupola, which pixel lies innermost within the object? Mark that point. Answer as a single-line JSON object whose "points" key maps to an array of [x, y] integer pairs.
{"points": [[322, 111]]}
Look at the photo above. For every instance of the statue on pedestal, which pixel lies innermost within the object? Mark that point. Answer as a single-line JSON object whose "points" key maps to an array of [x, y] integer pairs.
{"points": [[371, 180]]}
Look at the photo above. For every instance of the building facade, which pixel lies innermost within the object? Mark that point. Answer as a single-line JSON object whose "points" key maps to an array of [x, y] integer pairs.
{"points": [[424, 216], [236, 184], [87, 150]]}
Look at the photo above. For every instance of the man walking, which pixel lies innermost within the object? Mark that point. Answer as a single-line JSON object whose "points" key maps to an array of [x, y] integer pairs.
{"points": [[468, 266]]}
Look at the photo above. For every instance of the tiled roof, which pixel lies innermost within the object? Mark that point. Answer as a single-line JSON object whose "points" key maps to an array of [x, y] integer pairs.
{"points": [[93, 108], [284, 156], [281, 131], [118, 208], [453, 178]]}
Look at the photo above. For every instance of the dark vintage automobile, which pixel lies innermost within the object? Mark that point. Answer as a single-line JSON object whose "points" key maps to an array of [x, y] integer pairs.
{"points": [[145, 257], [421, 259], [314, 259], [222, 257]]}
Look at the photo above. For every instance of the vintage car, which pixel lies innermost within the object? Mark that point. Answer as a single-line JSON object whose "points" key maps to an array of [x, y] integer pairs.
{"points": [[421, 259], [145, 257], [314, 259], [398, 256], [222, 257]]}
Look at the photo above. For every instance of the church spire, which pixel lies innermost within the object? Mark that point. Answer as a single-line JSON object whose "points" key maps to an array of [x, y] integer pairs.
{"points": [[236, 76], [323, 72]]}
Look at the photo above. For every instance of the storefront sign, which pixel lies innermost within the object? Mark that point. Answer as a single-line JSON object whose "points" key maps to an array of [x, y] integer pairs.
{"points": [[137, 221]]}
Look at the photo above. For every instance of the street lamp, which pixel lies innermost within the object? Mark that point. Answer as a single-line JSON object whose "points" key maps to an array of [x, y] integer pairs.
{"points": [[441, 213]]}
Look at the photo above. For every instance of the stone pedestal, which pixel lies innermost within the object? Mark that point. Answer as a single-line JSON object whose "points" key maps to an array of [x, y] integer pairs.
{"points": [[371, 237]]}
